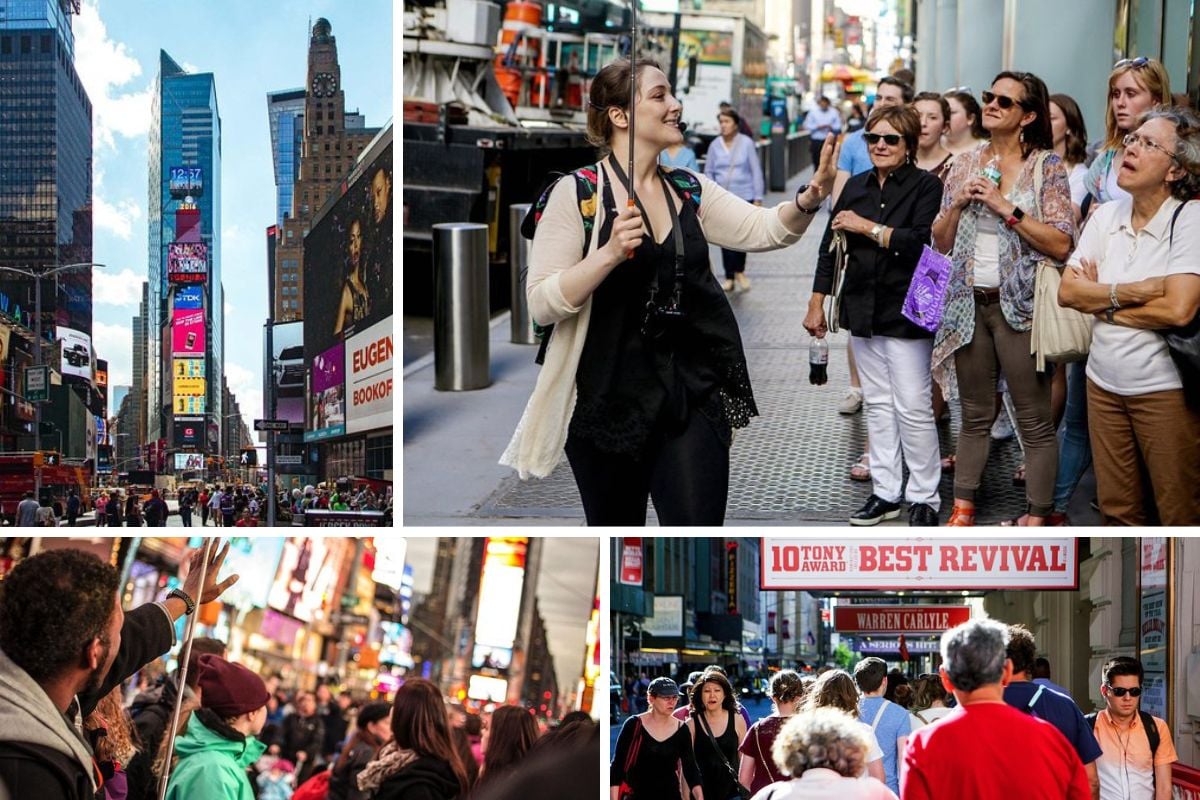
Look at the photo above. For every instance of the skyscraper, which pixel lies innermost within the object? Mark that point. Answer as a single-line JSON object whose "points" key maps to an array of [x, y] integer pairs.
{"points": [[285, 111], [331, 141], [185, 134], [45, 194], [135, 424]]}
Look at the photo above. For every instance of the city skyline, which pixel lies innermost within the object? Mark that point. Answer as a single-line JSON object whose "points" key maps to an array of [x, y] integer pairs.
{"points": [[117, 56]]}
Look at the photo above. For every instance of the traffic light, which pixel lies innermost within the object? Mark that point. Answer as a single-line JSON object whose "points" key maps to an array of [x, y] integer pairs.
{"points": [[53, 459], [249, 458]]}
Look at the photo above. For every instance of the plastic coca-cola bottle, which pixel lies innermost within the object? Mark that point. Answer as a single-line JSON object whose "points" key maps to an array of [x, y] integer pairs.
{"points": [[818, 361]]}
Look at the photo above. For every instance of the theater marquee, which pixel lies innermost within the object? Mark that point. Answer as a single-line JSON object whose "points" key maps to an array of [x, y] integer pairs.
{"points": [[919, 564]]}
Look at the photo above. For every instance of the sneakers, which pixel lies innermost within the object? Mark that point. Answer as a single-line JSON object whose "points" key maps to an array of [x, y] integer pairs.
{"points": [[875, 511], [743, 283], [922, 516], [727, 284], [1002, 428], [852, 403]]}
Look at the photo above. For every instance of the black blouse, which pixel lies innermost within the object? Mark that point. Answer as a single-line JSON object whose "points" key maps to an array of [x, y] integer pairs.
{"points": [[636, 381], [719, 783], [877, 278], [652, 774]]}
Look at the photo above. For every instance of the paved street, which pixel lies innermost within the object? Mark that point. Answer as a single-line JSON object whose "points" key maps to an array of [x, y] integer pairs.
{"points": [[790, 466]]}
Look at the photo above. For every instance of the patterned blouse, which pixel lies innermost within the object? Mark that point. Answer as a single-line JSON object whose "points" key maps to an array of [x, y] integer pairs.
{"points": [[1018, 259]]}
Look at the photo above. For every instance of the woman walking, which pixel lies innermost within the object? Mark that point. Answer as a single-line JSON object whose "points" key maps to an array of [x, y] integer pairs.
{"points": [[645, 377], [824, 751], [885, 215], [997, 232], [836, 689], [716, 730], [652, 749], [732, 162], [758, 768]]}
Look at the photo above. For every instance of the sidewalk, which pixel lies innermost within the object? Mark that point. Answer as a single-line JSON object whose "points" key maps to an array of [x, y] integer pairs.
{"points": [[789, 467]]}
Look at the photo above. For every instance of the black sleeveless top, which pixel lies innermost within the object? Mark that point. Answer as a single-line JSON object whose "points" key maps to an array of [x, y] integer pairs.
{"points": [[636, 382], [718, 782]]}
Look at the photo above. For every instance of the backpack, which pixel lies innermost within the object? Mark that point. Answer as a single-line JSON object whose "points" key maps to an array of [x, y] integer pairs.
{"points": [[226, 504], [685, 183], [1148, 725]]}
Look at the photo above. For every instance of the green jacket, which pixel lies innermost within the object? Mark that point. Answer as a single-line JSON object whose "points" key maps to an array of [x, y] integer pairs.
{"points": [[212, 766]]}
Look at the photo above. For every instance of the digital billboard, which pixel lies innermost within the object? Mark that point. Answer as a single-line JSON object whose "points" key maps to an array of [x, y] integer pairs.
{"points": [[255, 560], [76, 353], [184, 181], [369, 378], [307, 579], [187, 262], [189, 387], [189, 431], [287, 370], [500, 592], [189, 368], [348, 257], [327, 400], [191, 462], [189, 298], [187, 333], [481, 687], [190, 404]]}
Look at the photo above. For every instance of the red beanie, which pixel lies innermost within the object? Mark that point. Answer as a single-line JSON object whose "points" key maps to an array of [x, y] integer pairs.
{"points": [[229, 689]]}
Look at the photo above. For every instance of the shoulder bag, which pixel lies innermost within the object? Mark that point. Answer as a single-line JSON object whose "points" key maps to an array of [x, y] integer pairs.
{"points": [[1059, 334], [742, 791], [626, 791], [1184, 343]]}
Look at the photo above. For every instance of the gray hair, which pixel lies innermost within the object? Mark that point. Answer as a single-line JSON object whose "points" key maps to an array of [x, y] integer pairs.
{"points": [[1187, 147], [973, 653], [821, 737]]}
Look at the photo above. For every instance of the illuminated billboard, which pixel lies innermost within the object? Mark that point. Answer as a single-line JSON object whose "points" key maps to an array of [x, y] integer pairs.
{"points": [[189, 462], [486, 657], [255, 560], [327, 400], [500, 592], [189, 431], [348, 256], [184, 181], [189, 298], [187, 333], [287, 370], [189, 387], [190, 405], [481, 687], [76, 353], [369, 360], [306, 582], [189, 368], [187, 262]]}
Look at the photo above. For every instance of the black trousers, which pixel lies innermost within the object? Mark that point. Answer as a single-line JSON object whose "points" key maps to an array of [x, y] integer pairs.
{"points": [[734, 262], [686, 474]]}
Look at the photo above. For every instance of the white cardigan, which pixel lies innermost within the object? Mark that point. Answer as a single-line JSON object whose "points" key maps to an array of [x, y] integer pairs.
{"points": [[728, 221]]}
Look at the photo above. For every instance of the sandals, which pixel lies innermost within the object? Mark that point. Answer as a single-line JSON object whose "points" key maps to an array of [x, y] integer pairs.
{"points": [[961, 518], [1023, 521], [861, 471], [1019, 477]]}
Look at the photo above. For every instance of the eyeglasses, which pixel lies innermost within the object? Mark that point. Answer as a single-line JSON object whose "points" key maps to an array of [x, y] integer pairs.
{"points": [[890, 139], [1133, 138], [1121, 691], [1132, 63], [1001, 100]]}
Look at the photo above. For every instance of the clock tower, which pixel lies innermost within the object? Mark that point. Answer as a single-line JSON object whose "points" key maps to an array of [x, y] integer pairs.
{"points": [[327, 155]]}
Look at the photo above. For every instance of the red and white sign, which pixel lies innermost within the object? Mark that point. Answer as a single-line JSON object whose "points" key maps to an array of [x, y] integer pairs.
{"points": [[898, 619], [920, 564], [631, 562], [369, 361]]}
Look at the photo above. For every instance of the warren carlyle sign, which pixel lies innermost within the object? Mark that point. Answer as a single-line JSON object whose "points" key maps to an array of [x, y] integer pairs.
{"points": [[920, 564], [898, 619]]}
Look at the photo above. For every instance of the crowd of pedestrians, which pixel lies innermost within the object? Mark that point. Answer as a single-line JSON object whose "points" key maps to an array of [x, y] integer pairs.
{"points": [[875, 734]]}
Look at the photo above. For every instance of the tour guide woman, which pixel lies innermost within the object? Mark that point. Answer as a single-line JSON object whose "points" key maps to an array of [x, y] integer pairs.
{"points": [[645, 377], [996, 233], [886, 214], [650, 749]]}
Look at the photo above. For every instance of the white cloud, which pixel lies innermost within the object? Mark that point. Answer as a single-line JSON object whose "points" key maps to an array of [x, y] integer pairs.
{"points": [[228, 309], [104, 65], [246, 386], [114, 343], [122, 288], [116, 218]]}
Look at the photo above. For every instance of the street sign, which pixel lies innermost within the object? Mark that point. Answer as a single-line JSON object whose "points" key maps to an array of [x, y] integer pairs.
{"points": [[270, 425], [289, 460], [37, 379]]}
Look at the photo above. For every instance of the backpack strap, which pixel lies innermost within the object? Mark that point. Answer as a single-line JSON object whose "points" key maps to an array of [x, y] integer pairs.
{"points": [[1091, 720], [686, 184], [1174, 218], [1151, 726]]}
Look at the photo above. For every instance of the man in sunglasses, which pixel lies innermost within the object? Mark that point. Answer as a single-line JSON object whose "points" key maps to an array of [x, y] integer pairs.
{"points": [[1138, 750]]}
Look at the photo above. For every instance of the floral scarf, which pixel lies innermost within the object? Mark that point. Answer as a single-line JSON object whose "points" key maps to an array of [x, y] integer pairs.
{"points": [[1018, 259], [391, 759]]}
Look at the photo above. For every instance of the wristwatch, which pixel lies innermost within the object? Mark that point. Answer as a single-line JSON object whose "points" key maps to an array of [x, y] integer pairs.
{"points": [[1015, 218], [188, 603], [877, 232], [1108, 315], [801, 208]]}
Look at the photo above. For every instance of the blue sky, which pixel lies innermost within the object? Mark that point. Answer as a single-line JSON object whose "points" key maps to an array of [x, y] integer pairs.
{"points": [[251, 48]]}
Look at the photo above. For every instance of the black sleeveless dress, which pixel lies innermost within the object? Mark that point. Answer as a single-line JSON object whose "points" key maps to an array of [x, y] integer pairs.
{"points": [[718, 782], [637, 381]]}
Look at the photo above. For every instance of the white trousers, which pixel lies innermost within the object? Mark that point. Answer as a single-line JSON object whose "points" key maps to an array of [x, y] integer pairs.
{"points": [[897, 389]]}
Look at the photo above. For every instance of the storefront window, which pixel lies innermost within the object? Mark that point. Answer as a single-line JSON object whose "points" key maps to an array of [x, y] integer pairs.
{"points": [[379, 457], [1154, 629]]}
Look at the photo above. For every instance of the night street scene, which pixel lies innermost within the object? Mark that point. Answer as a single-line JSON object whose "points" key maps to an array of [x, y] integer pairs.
{"points": [[805, 667], [809, 262], [277, 668], [195, 263]]}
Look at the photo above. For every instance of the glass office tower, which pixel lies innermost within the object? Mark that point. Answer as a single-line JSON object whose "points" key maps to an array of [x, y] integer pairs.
{"points": [[185, 131]]}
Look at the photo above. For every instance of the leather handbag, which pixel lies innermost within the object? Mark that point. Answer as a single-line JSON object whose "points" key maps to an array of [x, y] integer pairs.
{"points": [[841, 257], [625, 791], [1059, 334]]}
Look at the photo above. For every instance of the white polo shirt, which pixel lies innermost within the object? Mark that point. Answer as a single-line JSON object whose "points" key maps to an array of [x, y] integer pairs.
{"points": [[1131, 361]]}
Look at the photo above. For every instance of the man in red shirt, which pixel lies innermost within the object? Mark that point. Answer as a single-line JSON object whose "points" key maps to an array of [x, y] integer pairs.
{"points": [[972, 753]]}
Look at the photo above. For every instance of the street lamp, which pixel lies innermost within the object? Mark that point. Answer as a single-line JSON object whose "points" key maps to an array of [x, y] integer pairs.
{"points": [[37, 276]]}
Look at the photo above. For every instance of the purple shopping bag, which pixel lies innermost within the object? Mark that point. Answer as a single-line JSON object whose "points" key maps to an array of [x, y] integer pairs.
{"points": [[927, 292]]}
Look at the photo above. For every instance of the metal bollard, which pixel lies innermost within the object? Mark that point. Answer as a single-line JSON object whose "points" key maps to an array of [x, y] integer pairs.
{"points": [[460, 307], [518, 264]]}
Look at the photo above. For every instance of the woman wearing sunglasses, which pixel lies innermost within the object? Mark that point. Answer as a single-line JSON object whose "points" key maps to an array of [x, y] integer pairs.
{"points": [[885, 214], [1137, 269], [996, 232]]}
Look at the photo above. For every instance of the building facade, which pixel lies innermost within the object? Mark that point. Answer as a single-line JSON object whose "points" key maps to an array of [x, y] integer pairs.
{"points": [[185, 132]]}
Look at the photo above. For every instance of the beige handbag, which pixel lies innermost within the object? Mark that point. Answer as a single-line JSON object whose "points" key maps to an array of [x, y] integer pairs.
{"points": [[1059, 334]]}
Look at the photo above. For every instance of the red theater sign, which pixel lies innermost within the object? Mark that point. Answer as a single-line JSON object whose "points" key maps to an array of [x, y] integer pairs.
{"points": [[898, 619], [919, 564]]}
